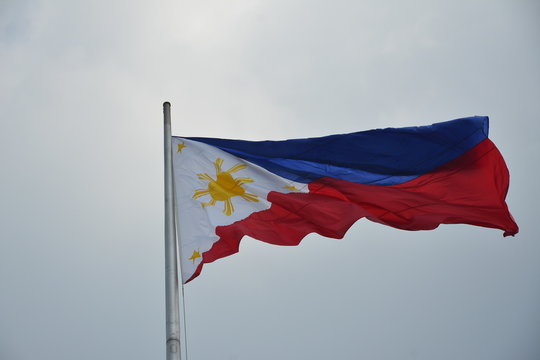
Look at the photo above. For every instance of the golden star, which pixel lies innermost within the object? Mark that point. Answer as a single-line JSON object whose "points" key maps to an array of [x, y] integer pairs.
{"points": [[291, 187], [181, 147], [195, 256]]}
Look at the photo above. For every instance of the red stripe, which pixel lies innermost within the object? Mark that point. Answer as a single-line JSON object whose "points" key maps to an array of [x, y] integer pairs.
{"points": [[468, 190]]}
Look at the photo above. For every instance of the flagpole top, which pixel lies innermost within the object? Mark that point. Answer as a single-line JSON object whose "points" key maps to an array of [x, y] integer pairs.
{"points": [[167, 115]]}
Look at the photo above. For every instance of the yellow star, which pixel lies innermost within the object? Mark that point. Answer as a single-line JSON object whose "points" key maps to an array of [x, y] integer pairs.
{"points": [[291, 187], [181, 147], [195, 256]]}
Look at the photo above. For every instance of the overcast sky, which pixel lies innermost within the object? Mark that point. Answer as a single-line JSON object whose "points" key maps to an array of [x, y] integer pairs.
{"points": [[81, 238]]}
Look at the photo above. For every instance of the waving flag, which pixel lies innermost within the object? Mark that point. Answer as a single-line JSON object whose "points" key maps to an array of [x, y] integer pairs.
{"points": [[412, 178]]}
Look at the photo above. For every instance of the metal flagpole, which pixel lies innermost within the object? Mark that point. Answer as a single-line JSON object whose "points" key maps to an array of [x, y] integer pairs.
{"points": [[171, 266]]}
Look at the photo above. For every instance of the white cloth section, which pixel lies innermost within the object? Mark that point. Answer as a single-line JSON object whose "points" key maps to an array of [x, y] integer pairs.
{"points": [[242, 190]]}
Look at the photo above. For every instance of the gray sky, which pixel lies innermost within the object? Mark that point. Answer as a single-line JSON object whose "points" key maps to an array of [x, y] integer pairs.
{"points": [[81, 235]]}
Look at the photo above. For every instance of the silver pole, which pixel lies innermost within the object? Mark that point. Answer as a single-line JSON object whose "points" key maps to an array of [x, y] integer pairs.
{"points": [[171, 266]]}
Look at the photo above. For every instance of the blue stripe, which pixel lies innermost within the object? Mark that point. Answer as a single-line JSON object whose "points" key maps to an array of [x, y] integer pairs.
{"points": [[382, 156]]}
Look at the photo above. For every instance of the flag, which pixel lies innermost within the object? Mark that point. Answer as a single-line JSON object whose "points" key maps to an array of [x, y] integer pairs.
{"points": [[412, 178]]}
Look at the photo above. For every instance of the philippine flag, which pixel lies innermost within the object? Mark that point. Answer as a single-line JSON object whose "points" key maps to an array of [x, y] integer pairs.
{"points": [[412, 178]]}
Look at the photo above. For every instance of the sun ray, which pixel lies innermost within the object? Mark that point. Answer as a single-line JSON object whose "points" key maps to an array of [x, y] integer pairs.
{"points": [[205, 177], [236, 168], [210, 203], [218, 164], [200, 192], [243, 180], [249, 197], [229, 207]]}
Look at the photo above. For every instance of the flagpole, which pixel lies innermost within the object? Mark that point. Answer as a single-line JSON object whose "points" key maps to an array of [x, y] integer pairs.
{"points": [[172, 310]]}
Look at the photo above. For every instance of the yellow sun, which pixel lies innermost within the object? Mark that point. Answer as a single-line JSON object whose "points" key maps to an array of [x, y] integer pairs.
{"points": [[224, 187]]}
